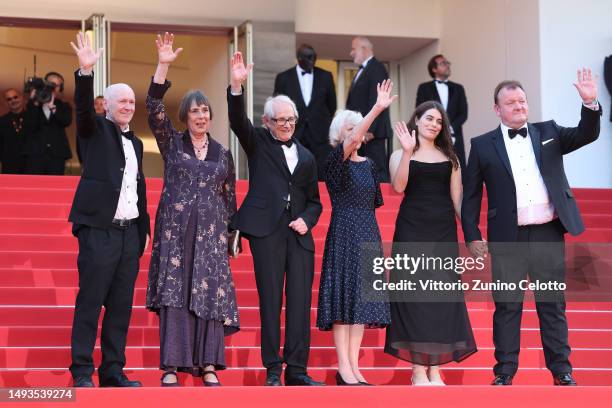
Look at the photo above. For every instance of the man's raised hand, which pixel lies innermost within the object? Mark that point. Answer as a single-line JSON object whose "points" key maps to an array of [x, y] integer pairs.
{"points": [[239, 72], [87, 56]]}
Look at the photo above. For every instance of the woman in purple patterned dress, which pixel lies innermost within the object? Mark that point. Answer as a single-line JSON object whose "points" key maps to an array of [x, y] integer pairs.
{"points": [[190, 282]]}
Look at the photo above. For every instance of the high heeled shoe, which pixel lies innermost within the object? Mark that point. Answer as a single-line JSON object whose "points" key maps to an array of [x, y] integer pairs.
{"points": [[340, 380]]}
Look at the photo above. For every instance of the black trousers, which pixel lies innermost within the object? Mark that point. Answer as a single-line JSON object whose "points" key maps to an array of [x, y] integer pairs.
{"points": [[275, 256], [539, 254], [375, 149], [108, 264]]}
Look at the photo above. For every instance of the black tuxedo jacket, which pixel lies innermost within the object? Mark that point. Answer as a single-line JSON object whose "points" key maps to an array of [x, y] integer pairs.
{"points": [[608, 76], [363, 94], [97, 195], [457, 109], [49, 135], [489, 163], [313, 125], [270, 180]]}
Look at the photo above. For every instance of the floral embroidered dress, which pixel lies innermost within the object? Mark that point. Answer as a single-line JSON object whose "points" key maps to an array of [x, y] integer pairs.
{"points": [[189, 266]]}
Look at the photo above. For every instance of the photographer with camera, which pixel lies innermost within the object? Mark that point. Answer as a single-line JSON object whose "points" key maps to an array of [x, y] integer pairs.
{"points": [[46, 148]]}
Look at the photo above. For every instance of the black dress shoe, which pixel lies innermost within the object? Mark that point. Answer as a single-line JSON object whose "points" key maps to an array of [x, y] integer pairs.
{"points": [[502, 379], [82, 382], [273, 380], [303, 380], [365, 383], [564, 379], [340, 380], [119, 380]]}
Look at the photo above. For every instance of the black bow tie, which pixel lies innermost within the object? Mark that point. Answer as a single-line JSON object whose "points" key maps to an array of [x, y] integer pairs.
{"points": [[306, 72], [128, 135], [513, 132], [442, 82], [287, 143]]}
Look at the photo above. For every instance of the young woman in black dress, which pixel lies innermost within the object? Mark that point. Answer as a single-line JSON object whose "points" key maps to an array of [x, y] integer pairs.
{"points": [[427, 171]]}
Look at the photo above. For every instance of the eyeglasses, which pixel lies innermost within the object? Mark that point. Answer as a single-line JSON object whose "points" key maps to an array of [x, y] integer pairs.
{"points": [[445, 62], [284, 121]]}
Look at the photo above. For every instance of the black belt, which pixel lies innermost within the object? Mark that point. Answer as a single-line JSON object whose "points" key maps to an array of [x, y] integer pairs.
{"points": [[124, 223]]}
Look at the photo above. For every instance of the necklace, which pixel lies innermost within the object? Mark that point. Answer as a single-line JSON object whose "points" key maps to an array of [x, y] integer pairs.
{"points": [[200, 146]]}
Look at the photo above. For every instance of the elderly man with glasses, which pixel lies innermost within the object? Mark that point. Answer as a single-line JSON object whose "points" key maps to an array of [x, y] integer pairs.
{"points": [[277, 216]]}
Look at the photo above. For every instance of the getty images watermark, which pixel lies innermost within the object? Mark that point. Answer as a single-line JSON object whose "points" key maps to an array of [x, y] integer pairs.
{"points": [[448, 272]]}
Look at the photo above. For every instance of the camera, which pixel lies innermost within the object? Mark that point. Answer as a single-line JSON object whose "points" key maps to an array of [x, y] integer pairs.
{"points": [[43, 90]]}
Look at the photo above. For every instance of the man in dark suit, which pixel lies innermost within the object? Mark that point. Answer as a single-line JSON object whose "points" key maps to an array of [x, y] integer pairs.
{"points": [[110, 220], [312, 89], [46, 147], [13, 128], [277, 216], [362, 96], [451, 95], [530, 208]]}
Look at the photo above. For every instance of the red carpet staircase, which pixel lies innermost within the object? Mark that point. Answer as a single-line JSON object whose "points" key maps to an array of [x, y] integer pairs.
{"points": [[38, 285]]}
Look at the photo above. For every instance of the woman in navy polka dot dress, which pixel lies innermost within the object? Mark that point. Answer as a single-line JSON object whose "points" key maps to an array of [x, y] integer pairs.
{"points": [[353, 186]]}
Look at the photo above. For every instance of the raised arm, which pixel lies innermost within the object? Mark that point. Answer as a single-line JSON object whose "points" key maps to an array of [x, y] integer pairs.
{"points": [[83, 91], [383, 101], [159, 122], [588, 128], [239, 122], [399, 164], [165, 56]]}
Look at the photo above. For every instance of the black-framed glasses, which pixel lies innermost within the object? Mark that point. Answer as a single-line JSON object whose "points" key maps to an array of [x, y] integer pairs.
{"points": [[284, 121]]}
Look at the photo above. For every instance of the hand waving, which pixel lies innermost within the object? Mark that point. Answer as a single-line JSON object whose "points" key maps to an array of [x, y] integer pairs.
{"points": [[165, 55], [87, 56], [239, 72], [384, 99], [586, 85], [406, 138]]}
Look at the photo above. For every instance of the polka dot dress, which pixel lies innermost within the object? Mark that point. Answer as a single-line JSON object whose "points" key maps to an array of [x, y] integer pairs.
{"points": [[355, 193]]}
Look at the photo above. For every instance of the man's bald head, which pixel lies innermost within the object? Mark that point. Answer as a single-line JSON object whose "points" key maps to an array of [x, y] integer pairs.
{"points": [[120, 104], [361, 50]]}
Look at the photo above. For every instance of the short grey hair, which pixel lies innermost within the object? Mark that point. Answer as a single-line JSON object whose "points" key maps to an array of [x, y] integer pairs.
{"points": [[341, 118], [109, 92], [194, 95], [269, 107]]}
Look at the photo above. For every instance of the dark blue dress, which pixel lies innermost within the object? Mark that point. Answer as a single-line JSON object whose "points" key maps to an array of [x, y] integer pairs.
{"points": [[355, 194]]}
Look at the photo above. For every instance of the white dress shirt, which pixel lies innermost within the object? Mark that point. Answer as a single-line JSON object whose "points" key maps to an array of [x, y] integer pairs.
{"points": [[291, 156], [443, 93], [306, 79], [127, 207], [533, 203]]}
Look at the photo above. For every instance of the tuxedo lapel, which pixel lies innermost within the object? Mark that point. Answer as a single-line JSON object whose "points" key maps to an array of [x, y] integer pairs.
{"points": [[434, 92], [301, 150], [295, 85], [113, 131], [536, 142], [500, 147], [278, 155]]}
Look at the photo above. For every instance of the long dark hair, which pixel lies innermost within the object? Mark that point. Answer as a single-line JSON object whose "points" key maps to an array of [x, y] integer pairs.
{"points": [[443, 141]]}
